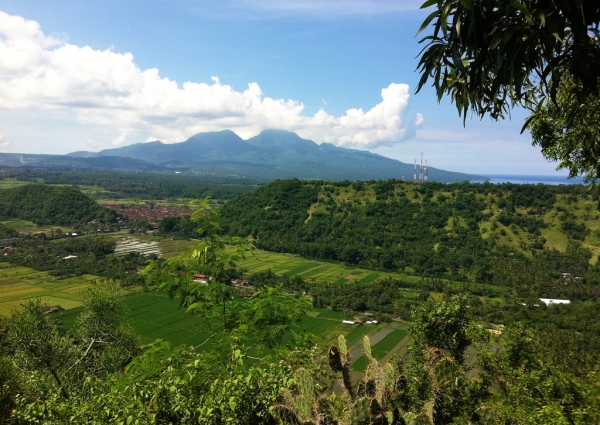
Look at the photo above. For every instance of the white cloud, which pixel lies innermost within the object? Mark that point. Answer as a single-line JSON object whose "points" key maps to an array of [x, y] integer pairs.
{"points": [[119, 140], [108, 88], [92, 143], [3, 142]]}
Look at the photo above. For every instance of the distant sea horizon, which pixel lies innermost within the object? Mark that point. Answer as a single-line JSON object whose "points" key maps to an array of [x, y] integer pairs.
{"points": [[530, 179]]}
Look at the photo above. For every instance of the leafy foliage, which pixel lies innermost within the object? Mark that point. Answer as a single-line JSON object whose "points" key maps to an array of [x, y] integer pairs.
{"points": [[273, 314], [93, 255], [567, 131], [490, 55], [62, 205]]}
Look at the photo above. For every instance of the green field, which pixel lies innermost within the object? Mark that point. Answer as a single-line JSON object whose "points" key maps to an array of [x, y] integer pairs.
{"points": [[24, 226], [169, 247], [380, 349], [292, 265], [18, 284], [156, 318]]}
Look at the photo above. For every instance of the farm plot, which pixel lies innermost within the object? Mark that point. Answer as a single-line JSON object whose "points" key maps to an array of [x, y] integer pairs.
{"points": [[169, 247], [17, 284], [380, 349], [293, 265], [357, 334], [156, 318], [24, 226]]}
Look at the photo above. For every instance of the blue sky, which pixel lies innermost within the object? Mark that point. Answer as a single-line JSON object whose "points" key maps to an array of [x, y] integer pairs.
{"points": [[78, 75]]}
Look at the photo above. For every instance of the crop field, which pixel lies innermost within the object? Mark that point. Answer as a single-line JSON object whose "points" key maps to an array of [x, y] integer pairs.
{"points": [[169, 247], [292, 265], [24, 226], [393, 341], [357, 334], [18, 284], [156, 318], [11, 183]]}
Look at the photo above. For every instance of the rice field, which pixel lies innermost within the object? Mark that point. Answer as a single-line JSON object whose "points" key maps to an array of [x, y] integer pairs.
{"points": [[292, 265], [169, 247], [394, 340], [155, 318], [17, 284]]}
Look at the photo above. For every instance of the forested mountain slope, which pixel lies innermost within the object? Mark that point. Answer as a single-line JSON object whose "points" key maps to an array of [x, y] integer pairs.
{"points": [[59, 205], [461, 230], [271, 154]]}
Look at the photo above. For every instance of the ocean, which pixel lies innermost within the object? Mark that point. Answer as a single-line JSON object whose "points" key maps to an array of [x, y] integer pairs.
{"points": [[531, 179]]}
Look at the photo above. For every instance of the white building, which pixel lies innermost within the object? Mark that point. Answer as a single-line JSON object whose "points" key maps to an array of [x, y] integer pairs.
{"points": [[550, 301]]}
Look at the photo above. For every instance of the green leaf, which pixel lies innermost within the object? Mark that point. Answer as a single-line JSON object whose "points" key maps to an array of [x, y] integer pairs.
{"points": [[429, 3], [467, 4], [427, 21]]}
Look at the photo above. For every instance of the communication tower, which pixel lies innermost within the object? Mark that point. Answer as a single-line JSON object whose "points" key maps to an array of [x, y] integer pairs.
{"points": [[415, 173]]}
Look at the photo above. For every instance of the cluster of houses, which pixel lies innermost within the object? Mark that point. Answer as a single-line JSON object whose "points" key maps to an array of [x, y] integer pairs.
{"points": [[147, 212]]}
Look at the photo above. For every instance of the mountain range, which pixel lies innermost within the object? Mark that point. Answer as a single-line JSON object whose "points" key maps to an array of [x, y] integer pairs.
{"points": [[271, 154]]}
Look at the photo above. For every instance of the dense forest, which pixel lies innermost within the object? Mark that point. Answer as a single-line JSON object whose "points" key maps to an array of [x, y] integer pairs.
{"points": [[143, 185], [460, 231], [58, 205]]}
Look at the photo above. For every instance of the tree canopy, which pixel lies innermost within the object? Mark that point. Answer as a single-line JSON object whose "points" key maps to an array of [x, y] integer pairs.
{"points": [[492, 55]]}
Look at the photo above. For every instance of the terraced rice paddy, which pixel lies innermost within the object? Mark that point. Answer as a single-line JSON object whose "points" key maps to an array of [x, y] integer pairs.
{"points": [[18, 284], [292, 265], [155, 318]]}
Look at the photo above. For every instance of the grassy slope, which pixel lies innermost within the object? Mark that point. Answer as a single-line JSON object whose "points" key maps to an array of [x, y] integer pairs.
{"points": [[583, 208]]}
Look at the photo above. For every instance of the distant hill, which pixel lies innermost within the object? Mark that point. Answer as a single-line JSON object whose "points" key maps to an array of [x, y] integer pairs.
{"points": [[272, 154], [58, 205], [76, 161]]}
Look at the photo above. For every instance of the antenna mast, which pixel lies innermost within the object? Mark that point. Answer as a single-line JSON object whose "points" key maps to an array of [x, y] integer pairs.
{"points": [[415, 173]]}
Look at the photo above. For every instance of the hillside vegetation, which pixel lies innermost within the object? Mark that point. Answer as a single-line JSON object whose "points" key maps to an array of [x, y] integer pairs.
{"points": [[463, 231], [58, 205]]}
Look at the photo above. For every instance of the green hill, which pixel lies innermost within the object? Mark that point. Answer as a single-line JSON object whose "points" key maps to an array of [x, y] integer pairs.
{"points": [[57, 205], [461, 230]]}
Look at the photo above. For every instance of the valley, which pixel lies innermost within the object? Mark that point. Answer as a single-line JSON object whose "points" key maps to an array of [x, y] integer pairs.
{"points": [[345, 260]]}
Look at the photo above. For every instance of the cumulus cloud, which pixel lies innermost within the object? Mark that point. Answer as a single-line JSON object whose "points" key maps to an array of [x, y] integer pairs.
{"points": [[107, 88], [92, 143], [119, 140]]}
